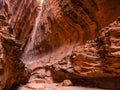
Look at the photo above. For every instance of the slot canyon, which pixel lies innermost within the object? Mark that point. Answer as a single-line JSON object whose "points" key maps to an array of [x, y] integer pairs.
{"points": [[59, 44]]}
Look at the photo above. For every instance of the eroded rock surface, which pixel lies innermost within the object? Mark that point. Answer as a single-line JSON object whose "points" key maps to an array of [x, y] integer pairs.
{"points": [[60, 26], [97, 60], [50, 32], [95, 64], [43, 27], [12, 70]]}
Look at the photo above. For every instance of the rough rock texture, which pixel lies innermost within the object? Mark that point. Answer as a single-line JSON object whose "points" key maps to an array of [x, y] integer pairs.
{"points": [[12, 70], [95, 64], [50, 30], [97, 61], [58, 23], [23, 15]]}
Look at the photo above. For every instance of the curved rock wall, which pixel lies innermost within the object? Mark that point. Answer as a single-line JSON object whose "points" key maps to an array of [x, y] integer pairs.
{"points": [[49, 30], [95, 62], [57, 26], [68, 22]]}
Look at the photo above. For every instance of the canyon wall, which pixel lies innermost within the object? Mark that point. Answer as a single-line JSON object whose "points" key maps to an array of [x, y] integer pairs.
{"points": [[49, 30], [23, 14], [59, 23], [13, 71], [94, 63], [43, 27]]}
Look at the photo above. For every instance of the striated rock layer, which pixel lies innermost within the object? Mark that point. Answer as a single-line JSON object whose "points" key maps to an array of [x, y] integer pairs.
{"points": [[50, 30], [12, 70], [95, 64], [58, 23], [96, 59]]}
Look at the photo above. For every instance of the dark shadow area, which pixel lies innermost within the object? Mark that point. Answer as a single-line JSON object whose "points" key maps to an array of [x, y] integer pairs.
{"points": [[110, 83]]}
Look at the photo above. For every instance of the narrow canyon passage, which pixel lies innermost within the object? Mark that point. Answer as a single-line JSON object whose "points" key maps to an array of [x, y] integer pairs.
{"points": [[59, 44]]}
